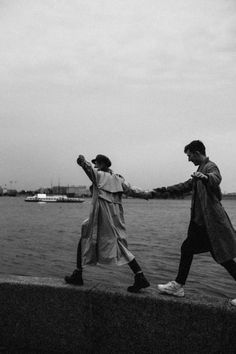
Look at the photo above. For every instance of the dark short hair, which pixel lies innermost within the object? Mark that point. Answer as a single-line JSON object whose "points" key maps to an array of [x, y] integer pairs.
{"points": [[196, 145]]}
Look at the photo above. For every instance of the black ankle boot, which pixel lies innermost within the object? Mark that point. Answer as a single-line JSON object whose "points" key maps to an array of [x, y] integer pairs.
{"points": [[140, 282], [75, 278]]}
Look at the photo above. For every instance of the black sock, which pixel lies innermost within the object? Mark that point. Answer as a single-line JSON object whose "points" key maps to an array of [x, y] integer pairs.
{"points": [[134, 266]]}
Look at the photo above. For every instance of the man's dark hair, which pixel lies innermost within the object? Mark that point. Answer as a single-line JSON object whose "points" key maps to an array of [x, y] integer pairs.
{"points": [[196, 145]]}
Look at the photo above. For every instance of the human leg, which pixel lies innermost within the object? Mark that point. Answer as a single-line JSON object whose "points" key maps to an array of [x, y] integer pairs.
{"points": [[140, 282], [134, 266], [175, 287], [76, 277], [185, 263], [230, 266], [196, 242], [79, 256]]}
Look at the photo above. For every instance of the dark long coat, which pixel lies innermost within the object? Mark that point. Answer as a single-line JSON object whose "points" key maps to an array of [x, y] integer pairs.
{"points": [[220, 230]]}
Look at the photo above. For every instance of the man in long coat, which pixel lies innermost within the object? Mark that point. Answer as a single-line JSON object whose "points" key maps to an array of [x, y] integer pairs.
{"points": [[103, 234], [210, 228]]}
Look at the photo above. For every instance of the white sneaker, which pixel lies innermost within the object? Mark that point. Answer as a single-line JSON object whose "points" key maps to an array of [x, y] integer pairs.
{"points": [[171, 288], [233, 302]]}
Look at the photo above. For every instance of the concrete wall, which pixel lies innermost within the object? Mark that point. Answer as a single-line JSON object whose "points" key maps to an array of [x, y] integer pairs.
{"points": [[41, 315]]}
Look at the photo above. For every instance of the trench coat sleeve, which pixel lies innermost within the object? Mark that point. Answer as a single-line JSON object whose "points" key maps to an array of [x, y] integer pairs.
{"points": [[90, 171], [134, 191], [184, 187], [212, 184], [214, 176]]}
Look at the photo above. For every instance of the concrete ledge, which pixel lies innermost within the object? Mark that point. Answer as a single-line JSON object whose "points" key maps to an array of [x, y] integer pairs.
{"points": [[42, 315]]}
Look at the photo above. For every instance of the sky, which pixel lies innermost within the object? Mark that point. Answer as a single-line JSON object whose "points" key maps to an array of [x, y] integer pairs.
{"points": [[135, 80]]}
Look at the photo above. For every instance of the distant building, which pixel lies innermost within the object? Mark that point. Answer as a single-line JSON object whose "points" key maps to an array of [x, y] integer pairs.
{"points": [[59, 190], [1, 191], [71, 191], [229, 196], [80, 191], [9, 192]]}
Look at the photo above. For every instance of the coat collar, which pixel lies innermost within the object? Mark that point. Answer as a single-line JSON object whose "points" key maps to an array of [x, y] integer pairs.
{"points": [[200, 167]]}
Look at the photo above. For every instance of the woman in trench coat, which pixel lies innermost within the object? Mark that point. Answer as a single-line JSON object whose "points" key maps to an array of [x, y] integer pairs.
{"points": [[103, 234]]}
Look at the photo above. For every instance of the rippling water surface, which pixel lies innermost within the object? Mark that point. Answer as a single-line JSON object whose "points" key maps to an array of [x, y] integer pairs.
{"points": [[41, 240]]}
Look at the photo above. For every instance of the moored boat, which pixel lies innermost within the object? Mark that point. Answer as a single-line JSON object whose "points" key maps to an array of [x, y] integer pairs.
{"points": [[44, 198]]}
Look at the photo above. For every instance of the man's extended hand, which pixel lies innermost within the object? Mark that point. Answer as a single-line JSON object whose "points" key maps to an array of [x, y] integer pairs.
{"points": [[80, 160], [199, 175]]}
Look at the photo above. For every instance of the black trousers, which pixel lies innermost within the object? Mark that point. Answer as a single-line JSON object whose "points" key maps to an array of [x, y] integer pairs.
{"points": [[197, 242]]}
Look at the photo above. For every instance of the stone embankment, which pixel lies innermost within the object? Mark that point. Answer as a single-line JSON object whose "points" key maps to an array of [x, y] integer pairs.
{"points": [[42, 315]]}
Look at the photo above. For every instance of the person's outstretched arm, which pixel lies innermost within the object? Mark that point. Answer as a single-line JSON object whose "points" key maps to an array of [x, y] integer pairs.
{"points": [[135, 192], [179, 188], [87, 167]]}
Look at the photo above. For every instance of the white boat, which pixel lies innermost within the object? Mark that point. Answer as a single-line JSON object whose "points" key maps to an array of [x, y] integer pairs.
{"points": [[44, 198]]}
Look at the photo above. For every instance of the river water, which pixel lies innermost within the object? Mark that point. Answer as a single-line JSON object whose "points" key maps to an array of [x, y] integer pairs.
{"points": [[41, 240]]}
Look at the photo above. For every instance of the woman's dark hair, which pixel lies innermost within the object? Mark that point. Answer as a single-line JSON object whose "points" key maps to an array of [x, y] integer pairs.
{"points": [[196, 145]]}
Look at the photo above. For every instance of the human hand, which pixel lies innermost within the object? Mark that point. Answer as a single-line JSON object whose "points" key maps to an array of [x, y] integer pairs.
{"points": [[80, 160], [199, 175]]}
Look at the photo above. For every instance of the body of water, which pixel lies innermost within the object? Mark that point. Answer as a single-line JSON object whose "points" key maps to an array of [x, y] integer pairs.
{"points": [[41, 240]]}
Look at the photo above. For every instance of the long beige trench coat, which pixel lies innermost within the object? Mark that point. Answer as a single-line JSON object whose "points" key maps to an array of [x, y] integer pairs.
{"points": [[220, 230], [103, 234]]}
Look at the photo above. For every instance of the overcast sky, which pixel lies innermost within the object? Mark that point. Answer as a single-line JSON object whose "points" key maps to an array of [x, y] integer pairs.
{"points": [[133, 79]]}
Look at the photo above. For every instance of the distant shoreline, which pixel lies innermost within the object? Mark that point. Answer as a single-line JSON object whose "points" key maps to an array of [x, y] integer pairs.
{"points": [[227, 196]]}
